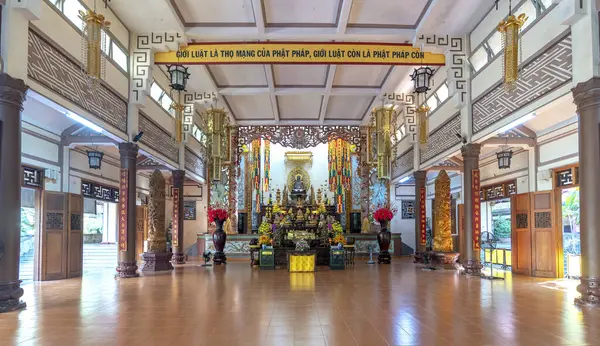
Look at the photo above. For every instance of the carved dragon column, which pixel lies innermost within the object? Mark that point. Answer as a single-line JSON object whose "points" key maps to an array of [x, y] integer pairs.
{"points": [[12, 95], [157, 258]]}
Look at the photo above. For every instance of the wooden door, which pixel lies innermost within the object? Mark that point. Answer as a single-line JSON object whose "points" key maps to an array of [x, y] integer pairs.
{"points": [[54, 237], [521, 234], [543, 238], [140, 228], [75, 236]]}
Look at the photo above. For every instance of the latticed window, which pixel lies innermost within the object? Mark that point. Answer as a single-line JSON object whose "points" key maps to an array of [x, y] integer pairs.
{"points": [[499, 191]]}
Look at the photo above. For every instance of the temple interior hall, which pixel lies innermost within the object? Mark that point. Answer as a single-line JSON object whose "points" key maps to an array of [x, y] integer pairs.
{"points": [[294, 173]]}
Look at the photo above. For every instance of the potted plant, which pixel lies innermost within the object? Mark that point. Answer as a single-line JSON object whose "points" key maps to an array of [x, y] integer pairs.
{"points": [[218, 216], [384, 216]]}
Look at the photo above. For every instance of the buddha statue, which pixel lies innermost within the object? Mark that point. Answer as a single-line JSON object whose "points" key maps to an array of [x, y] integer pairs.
{"points": [[298, 192], [298, 185]]}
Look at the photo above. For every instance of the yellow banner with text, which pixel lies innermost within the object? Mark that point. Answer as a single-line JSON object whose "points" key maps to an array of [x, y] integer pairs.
{"points": [[299, 53]]}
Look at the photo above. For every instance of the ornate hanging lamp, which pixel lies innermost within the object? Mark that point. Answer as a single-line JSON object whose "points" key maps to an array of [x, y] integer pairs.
{"points": [[95, 159], [178, 77], [504, 157], [383, 118], [421, 78], [93, 42], [510, 29], [217, 122]]}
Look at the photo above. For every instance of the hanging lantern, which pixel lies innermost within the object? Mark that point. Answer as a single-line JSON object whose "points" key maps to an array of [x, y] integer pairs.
{"points": [[93, 42], [504, 158], [178, 75], [422, 79], [423, 123], [510, 29], [383, 117], [95, 159], [217, 119], [178, 108]]}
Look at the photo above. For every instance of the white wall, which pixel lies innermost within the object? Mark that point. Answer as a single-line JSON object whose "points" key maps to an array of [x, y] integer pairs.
{"points": [[406, 227]]}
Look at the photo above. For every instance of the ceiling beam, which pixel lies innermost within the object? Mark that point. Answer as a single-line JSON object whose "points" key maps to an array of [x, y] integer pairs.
{"points": [[513, 142], [71, 141], [328, 88], [445, 168], [456, 160], [272, 96], [72, 129], [299, 122], [526, 131], [327, 92], [344, 16], [257, 7]]}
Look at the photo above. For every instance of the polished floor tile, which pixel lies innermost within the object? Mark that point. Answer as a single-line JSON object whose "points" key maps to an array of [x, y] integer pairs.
{"points": [[235, 305]]}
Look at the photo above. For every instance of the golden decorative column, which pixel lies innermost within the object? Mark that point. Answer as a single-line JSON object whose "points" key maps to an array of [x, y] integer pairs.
{"points": [[157, 258], [442, 241]]}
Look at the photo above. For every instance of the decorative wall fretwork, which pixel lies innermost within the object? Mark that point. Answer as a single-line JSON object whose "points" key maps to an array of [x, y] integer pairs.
{"points": [[195, 164], [441, 139], [299, 137], [189, 210], [158, 139], [498, 191], [522, 221], [456, 60], [100, 192], [408, 209], [33, 177], [566, 177], [59, 73], [75, 222], [543, 219], [403, 163], [54, 221], [548, 71]]}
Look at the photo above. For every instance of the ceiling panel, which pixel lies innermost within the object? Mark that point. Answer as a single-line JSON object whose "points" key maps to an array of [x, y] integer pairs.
{"points": [[299, 107], [386, 13], [294, 12], [250, 107], [211, 11], [344, 107], [238, 75], [300, 75], [553, 113], [45, 117], [361, 76]]}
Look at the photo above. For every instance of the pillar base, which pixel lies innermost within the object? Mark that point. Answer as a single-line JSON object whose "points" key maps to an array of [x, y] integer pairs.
{"points": [[590, 292], [127, 269], [472, 268], [10, 294], [219, 258], [384, 257], [178, 258], [156, 261]]}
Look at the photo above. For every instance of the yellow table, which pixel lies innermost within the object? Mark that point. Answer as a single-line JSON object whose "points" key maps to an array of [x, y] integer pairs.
{"points": [[302, 261]]}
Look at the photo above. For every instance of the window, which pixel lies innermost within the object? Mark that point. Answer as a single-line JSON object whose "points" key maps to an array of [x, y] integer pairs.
{"points": [[198, 134], [530, 11], [442, 92], [119, 56], [161, 97], [70, 9], [495, 43], [432, 103], [479, 59]]}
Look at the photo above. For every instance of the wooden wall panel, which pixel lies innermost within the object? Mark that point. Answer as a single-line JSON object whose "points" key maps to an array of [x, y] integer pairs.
{"points": [[521, 234], [544, 244], [53, 265], [75, 236]]}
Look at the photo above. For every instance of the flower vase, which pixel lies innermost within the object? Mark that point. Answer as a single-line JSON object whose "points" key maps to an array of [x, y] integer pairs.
{"points": [[384, 238], [219, 240]]}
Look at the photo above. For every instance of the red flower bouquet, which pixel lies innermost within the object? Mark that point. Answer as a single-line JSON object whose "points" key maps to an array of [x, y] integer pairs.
{"points": [[217, 214], [383, 214]]}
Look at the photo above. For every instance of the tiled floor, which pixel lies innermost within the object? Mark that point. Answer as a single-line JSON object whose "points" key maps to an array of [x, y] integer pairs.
{"points": [[368, 305]]}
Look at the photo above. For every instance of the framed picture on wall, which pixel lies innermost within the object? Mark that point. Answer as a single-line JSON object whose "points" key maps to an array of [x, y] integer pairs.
{"points": [[189, 210], [408, 209]]}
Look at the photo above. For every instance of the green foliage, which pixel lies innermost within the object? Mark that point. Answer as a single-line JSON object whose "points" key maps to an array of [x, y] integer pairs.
{"points": [[501, 227], [570, 208], [27, 221]]}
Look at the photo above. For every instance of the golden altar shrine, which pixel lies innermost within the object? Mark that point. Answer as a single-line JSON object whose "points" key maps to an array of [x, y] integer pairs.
{"points": [[302, 261]]}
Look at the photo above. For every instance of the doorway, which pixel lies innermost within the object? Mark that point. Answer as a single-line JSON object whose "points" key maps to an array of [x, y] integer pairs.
{"points": [[30, 216], [496, 219], [99, 235], [571, 240]]}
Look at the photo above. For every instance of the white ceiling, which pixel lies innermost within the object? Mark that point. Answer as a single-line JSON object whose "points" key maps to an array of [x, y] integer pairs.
{"points": [[300, 94], [555, 112], [45, 117]]}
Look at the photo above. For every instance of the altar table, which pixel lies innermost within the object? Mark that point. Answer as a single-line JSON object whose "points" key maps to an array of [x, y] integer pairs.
{"points": [[302, 261]]}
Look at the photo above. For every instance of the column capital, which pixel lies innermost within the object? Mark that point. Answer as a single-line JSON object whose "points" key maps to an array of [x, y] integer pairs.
{"points": [[12, 91], [587, 94], [471, 150], [128, 150]]}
